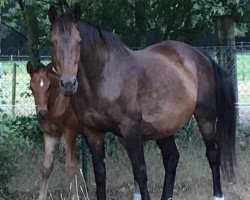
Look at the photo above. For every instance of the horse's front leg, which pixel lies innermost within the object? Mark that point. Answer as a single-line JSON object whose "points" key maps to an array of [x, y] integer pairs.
{"points": [[47, 166], [134, 145], [70, 146], [95, 142], [137, 194]]}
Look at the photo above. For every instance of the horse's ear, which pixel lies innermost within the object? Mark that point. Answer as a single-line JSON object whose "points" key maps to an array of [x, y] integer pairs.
{"points": [[52, 14], [76, 13], [30, 68]]}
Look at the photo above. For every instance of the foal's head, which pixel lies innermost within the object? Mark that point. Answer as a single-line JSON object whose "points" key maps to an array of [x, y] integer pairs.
{"points": [[65, 38], [40, 85]]}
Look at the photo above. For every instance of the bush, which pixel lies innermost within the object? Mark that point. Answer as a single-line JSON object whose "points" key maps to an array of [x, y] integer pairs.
{"points": [[28, 127], [17, 135]]}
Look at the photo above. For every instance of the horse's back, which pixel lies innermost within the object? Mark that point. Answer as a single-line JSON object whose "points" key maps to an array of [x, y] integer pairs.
{"points": [[169, 85]]}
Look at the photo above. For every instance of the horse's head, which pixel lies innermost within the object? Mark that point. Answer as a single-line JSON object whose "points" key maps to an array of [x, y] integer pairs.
{"points": [[40, 84], [65, 38]]}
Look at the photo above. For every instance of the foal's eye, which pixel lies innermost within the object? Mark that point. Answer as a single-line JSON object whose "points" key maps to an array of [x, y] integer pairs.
{"points": [[54, 43]]}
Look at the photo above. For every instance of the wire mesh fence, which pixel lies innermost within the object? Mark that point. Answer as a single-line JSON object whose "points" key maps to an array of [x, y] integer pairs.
{"points": [[16, 98]]}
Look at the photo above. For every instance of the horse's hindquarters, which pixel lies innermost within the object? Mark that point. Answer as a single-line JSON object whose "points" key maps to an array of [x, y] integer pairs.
{"points": [[167, 99]]}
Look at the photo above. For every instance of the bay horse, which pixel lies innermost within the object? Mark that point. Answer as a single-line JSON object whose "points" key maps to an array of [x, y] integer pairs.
{"points": [[57, 120], [144, 95]]}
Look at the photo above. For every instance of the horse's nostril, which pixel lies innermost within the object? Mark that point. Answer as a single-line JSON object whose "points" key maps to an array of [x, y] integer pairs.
{"points": [[62, 83], [74, 82]]}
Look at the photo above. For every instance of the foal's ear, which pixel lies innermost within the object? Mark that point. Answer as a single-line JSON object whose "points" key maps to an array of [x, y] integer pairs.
{"points": [[52, 14], [76, 12], [30, 68], [50, 66]]}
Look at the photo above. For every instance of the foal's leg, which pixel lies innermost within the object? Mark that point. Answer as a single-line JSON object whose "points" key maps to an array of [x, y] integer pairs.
{"points": [[137, 194], [95, 142], [134, 146], [206, 123], [70, 144], [170, 156], [47, 166]]}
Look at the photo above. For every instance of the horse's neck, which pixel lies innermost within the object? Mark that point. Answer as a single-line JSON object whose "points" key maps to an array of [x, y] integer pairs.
{"points": [[100, 52], [91, 69]]}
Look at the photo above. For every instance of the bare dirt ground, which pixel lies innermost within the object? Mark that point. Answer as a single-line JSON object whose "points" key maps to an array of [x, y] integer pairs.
{"points": [[193, 180]]}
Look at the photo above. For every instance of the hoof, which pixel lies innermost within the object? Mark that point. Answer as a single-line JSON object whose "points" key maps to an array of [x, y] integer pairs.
{"points": [[218, 198], [137, 196]]}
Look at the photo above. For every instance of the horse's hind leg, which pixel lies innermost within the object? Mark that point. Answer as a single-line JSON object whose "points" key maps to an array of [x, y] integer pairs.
{"points": [[205, 117], [170, 156], [70, 144], [47, 166]]}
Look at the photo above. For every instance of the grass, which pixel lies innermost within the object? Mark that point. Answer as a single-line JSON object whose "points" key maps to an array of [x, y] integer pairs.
{"points": [[193, 175]]}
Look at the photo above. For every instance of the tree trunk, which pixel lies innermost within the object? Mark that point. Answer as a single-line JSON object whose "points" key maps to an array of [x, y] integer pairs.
{"points": [[141, 21], [188, 26], [30, 17]]}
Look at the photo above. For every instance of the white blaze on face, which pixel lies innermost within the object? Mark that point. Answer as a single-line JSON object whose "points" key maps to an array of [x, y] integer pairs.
{"points": [[41, 83]]}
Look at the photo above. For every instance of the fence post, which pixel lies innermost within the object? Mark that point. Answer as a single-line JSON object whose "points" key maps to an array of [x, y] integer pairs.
{"points": [[225, 38], [13, 99], [0, 53]]}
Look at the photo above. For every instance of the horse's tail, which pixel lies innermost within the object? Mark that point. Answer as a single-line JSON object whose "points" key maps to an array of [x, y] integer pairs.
{"points": [[226, 118]]}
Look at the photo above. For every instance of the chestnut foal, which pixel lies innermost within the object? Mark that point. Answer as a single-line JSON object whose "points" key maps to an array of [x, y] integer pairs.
{"points": [[57, 119]]}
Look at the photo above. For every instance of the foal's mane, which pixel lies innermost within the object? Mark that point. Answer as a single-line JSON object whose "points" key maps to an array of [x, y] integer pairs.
{"points": [[92, 34]]}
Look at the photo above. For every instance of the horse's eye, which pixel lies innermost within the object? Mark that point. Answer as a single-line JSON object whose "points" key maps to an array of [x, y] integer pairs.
{"points": [[78, 43]]}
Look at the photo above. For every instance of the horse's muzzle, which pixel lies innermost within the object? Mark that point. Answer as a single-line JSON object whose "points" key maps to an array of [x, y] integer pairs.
{"points": [[68, 85]]}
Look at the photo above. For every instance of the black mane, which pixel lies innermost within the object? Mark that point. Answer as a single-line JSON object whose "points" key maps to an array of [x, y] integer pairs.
{"points": [[92, 35]]}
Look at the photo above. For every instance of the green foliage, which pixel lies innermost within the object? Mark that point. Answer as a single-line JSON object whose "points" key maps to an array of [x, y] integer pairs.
{"points": [[113, 148], [243, 137], [4, 2], [205, 11], [178, 19], [188, 131], [17, 135], [14, 18], [28, 127]]}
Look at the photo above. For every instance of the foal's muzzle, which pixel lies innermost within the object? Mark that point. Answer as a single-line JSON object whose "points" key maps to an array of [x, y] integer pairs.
{"points": [[42, 113], [68, 85]]}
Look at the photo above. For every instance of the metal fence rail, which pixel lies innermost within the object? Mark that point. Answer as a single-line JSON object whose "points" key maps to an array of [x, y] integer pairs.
{"points": [[16, 98]]}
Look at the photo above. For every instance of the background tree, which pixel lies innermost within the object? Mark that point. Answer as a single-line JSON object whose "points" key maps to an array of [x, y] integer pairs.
{"points": [[141, 22]]}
